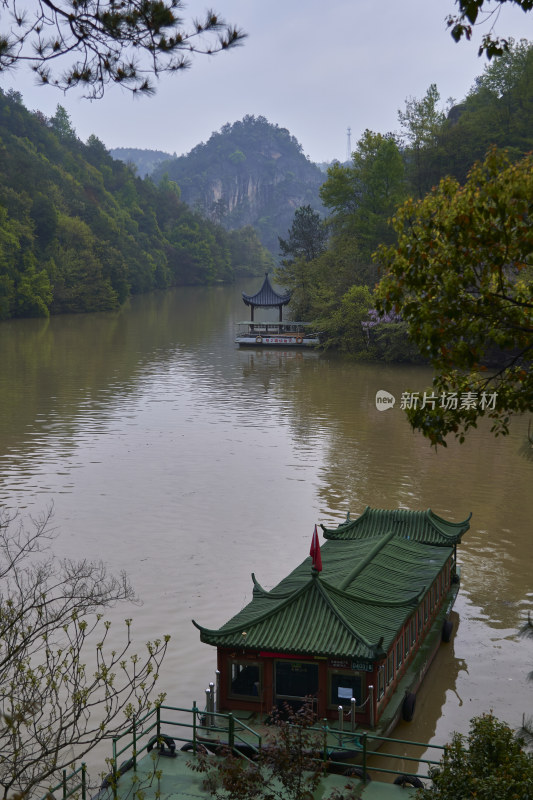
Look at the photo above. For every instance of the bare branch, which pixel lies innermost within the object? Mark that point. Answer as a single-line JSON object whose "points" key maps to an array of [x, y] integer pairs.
{"points": [[53, 706]]}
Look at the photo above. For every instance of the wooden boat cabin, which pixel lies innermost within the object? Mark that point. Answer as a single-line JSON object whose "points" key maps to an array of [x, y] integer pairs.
{"points": [[351, 630]]}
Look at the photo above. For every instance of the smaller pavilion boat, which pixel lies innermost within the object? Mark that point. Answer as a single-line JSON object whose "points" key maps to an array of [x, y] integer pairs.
{"points": [[356, 630], [272, 334]]}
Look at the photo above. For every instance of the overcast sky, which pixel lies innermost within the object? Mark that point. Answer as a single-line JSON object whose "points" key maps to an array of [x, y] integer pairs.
{"points": [[312, 67]]}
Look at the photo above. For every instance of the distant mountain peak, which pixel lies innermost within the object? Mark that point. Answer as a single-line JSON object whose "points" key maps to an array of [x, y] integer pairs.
{"points": [[250, 172]]}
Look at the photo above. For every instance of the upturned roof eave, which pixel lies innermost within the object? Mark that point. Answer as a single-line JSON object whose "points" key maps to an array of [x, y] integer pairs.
{"points": [[266, 297], [328, 594], [349, 529]]}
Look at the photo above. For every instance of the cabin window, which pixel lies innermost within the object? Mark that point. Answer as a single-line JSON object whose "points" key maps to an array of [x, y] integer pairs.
{"points": [[390, 667], [381, 682], [245, 680], [399, 653], [413, 629], [406, 640], [343, 686], [295, 679], [437, 589], [426, 608], [419, 626]]}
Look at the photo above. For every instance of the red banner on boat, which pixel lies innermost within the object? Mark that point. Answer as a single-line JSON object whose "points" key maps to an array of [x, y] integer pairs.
{"points": [[314, 552]]}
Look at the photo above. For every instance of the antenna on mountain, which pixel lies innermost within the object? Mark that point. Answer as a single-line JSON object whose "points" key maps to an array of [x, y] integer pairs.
{"points": [[349, 145]]}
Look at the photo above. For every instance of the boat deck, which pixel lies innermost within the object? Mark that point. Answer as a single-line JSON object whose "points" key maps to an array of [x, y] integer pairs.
{"points": [[178, 780]]}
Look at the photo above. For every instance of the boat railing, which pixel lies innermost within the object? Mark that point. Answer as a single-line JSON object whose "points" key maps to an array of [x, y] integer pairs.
{"points": [[74, 783], [231, 733], [197, 730], [359, 751]]}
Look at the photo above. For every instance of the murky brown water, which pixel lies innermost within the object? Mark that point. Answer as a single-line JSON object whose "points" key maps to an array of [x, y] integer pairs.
{"points": [[190, 464]]}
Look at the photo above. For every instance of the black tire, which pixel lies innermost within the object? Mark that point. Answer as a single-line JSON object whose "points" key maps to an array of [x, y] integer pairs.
{"points": [[409, 780], [357, 772], [166, 745], [258, 339], [188, 747], [408, 708], [447, 629]]}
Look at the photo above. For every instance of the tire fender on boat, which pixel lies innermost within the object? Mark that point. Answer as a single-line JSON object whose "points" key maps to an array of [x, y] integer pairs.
{"points": [[299, 340], [447, 629], [409, 780], [200, 748], [357, 772], [258, 339], [408, 708], [166, 744]]}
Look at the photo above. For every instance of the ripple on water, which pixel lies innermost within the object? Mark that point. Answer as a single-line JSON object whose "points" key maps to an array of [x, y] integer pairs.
{"points": [[190, 464]]}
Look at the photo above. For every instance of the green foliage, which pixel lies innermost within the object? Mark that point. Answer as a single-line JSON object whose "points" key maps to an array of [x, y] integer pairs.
{"points": [[461, 276], [526, 632], [248, 173], [289, 766], [471, 13], [248, 256], [94, 44], [79, 232], [306, 241], [390, 342], [498, 110], [307, 237], [343, 329], [363, 195], [422, 122], [489, 764], [61, 125]]}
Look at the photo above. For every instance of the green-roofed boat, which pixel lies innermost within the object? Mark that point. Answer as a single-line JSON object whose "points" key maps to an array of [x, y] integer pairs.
{"points": [[358, 636]]}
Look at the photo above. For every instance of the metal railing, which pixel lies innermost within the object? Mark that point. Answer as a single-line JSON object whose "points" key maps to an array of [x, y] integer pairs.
{"points": [[210, 729], [66, 790]]}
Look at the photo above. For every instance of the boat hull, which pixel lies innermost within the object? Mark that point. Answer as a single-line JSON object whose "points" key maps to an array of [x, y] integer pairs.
{"points": [[276, 341]]}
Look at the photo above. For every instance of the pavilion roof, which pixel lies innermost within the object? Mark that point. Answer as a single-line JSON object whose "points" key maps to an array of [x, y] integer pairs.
{"points": [[369, 586], [266, 297]]}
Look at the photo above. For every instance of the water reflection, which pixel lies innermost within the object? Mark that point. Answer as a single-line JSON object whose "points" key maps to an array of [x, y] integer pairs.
{"points": [[191, 463], [440, 684]]}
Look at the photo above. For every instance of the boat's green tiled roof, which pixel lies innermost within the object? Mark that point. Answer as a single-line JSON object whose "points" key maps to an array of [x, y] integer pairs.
{"points": [[422, 526], [370, 583]]}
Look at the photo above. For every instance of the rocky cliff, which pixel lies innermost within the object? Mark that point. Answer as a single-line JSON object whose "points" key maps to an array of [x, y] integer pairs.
{"points": [[249, 173]]}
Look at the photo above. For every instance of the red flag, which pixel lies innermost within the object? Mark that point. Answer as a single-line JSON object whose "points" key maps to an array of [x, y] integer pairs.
{"points": [[314, 552]]}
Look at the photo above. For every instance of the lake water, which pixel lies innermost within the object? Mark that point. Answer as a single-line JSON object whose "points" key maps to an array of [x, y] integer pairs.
{"points": [[189, 463]]}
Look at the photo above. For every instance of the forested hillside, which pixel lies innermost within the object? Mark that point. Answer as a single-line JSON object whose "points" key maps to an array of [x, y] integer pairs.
{"points": [[79, 232], [249, 173], [335, 287]]}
